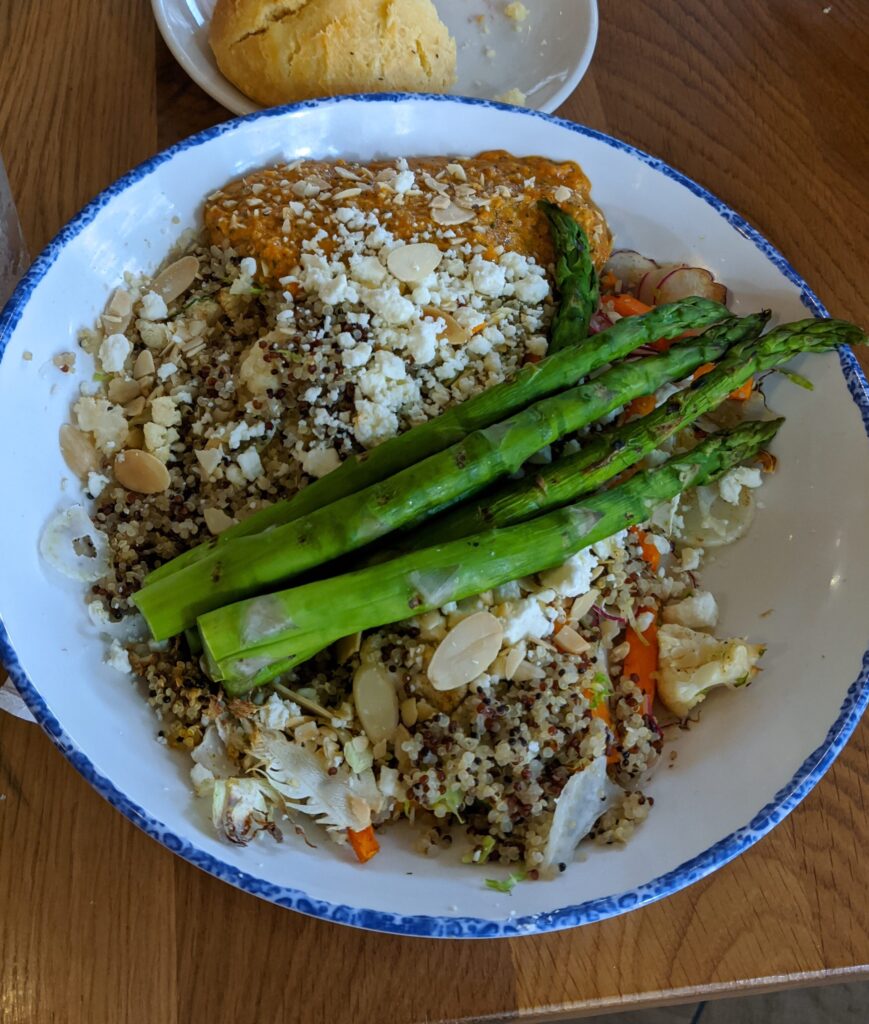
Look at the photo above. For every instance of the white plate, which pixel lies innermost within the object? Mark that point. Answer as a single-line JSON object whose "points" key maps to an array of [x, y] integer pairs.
{"points": [[755, 754], [545, 57]]}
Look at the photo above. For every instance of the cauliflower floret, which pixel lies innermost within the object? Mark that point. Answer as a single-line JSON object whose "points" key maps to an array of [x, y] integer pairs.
{"points": [[700, 611], [690, 664]]}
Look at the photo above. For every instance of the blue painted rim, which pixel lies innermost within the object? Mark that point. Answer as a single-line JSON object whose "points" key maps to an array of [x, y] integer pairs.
{"points": [[716, 856]]}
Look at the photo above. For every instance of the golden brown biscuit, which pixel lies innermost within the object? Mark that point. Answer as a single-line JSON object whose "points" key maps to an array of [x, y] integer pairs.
{"points": [[279, 51]]}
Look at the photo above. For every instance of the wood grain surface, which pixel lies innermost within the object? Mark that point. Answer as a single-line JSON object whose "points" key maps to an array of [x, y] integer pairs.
{"points": [[764, 103]]}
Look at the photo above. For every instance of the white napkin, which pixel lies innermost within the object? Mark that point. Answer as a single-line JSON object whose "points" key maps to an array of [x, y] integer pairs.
{"points": [[10, 700]]}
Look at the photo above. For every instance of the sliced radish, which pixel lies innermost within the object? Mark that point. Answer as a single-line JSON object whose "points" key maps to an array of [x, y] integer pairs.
{"points": [[599, 322], [629, 267], [683, 282]]}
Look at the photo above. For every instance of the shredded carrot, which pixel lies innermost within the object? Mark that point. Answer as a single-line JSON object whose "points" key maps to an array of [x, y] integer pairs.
{"points": [[627, 305], [479, 327], [364, 843], [651, 554], [743, 392], [639, 407], [663, 344], [701, 371], [608, 281], [768, 462], [641, 661]]}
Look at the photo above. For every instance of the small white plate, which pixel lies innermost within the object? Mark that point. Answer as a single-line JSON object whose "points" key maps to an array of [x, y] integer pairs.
{"points": [[544, 57]]}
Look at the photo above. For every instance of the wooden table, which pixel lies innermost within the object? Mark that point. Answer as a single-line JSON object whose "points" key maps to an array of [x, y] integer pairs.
{"points": [[765, 104]]}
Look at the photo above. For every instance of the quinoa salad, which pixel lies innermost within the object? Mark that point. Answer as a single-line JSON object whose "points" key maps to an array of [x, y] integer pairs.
{"points": [[488, 631]]}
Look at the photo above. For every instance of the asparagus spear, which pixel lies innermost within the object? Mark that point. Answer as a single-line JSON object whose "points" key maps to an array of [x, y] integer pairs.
{"points": [[251, 564], [531, 383], [575, 278], [607, 456], [253, 641]]}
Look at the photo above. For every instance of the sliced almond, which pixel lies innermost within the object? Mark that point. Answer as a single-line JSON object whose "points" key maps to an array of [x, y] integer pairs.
{"points": [[135, 438], [570, 642], [376, 701], [513, 660], [146, 385], [141, 472], [399, 737], [78, 451], [122, 391], [209, 459], [413, 263], [525, 672], [409, 712], [119, 312], [453, 330], [135, 408], [466, 651], [176, 278], [144, 365], [347, 646], [453, 214], [583, 605], [217, 521], [424, 711]]}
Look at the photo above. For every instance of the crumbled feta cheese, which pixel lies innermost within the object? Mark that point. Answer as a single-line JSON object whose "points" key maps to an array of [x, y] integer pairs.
{"points": [[358, 355], [154, 335], [537, 345], [488, 278], [699, 611], [113, 352], [328, 281], [249, 463], [248, 266], [422, 340], [690, 558], [373, 423], [403, 181], [610, 547], [731, 484], [388, 302], [531, 290], [166, 371], [274, 714], [574, 577], [118, 658], [105, 421], [524, 620], [97, 483], [243, 431], [367, 270], [164, 411], [320, 461], [153, 307]]}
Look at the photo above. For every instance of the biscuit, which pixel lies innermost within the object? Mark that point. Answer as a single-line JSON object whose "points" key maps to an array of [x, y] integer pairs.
{"points": [[280, 51]]}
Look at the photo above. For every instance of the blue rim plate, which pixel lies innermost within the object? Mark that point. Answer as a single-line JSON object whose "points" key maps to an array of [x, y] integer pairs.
{"points": [[719, 854]]}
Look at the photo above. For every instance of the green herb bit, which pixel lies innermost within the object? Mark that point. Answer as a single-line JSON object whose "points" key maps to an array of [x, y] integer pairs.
{"points": [[507, 884]]}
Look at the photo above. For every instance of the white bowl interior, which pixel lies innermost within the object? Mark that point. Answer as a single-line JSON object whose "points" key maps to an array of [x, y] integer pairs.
{"points": [[804, 562]]}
